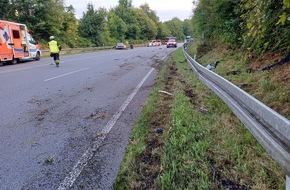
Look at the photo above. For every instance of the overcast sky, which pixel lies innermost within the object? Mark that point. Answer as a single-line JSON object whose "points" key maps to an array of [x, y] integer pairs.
{"points": [[166, 9]]}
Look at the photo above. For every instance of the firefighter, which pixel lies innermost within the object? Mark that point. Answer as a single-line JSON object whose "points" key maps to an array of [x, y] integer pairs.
{"points": [[54, 48]]}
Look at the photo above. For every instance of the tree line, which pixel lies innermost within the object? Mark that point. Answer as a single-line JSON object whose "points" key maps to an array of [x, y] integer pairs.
{"points": [[254, 26], [97, 27]]}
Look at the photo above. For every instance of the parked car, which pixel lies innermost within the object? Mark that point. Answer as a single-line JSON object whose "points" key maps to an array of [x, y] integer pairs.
{"points": [[171, 43], [158, 43], [169, 38], [154, 43], [151, 43], [120, 45]]}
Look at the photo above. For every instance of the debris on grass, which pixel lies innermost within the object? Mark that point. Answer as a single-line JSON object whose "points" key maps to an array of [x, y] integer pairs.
{"points": [[281, 62], [158, 131], [164, 92]]}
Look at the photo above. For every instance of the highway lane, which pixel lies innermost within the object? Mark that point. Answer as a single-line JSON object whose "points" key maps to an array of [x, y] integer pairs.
{"points": [[50, 117]]}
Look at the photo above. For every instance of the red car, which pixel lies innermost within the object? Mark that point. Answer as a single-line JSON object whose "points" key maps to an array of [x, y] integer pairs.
{"points": [[171, 43]]}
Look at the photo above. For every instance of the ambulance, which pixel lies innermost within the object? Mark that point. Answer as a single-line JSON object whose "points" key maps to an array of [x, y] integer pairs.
{"points": [[16, 43]]}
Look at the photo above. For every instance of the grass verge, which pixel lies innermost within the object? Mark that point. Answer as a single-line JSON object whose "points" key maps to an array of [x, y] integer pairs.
{"points": [[191, 140], [270, 87]]}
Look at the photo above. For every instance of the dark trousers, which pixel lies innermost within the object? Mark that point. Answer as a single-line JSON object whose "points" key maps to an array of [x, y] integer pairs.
{"points": [[55, 57]]}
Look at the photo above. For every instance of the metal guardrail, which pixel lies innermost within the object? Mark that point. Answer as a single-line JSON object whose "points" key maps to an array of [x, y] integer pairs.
{"points": [[271, 129]]}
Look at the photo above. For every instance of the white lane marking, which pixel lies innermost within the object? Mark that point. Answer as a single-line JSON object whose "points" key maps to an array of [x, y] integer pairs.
{"points": [[88, 154], [65, 74], [26, 68], [164, 57], [22, 69]]}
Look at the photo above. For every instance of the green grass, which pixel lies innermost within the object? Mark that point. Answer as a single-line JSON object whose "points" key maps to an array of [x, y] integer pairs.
{"points": [[185, 161], [128, 173], [261, 85], [204, 146], [248, 158]]}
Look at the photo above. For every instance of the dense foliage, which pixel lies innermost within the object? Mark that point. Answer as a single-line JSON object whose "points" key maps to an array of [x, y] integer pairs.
{"points": [[97, 27], [255, 26]]}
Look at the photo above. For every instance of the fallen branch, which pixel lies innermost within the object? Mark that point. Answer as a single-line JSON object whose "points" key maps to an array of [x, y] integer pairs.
{"points": [[164, 92], [283, 61]]}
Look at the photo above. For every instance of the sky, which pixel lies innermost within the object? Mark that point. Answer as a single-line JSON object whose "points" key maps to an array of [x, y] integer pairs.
{"points": [[165, 9]]}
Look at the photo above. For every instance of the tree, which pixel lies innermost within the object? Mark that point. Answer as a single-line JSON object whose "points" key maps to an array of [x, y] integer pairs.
{"points": [[150, 13], [175, 26], [163, 31], [148, 28], [7, 10], [262, 30], [218, 20], [187, 27], [93, 24], [41, 17], [125, 11], [117, 27], [69, 29], [98, 27], [256, 26]]}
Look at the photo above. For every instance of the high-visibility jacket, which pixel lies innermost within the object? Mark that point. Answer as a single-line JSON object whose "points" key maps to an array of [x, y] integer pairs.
{"points": [[53, 46]]}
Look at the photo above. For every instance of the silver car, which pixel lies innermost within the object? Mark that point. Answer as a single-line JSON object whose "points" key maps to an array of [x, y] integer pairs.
{"points": [[121, 46]]}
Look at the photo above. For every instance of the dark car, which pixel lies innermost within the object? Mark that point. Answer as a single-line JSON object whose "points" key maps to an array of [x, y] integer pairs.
{"points": [[121, 46], [171, 43]]}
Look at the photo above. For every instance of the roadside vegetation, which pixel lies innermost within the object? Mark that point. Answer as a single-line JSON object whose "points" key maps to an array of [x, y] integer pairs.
{"points": [[192, 140], [270, 86], [253, 26], [97, 26], [186, 137], [246, 37]]}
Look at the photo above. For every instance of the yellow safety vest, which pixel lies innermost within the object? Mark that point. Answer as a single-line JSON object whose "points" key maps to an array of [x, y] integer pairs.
{"points": [[53, 47]]}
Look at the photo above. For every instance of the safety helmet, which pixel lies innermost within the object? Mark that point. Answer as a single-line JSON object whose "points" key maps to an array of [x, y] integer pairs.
{"points": [[51, 37]]}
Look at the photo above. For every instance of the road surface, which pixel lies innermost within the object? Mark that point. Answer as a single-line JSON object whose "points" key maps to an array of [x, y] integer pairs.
{"points": [[68, 127]]}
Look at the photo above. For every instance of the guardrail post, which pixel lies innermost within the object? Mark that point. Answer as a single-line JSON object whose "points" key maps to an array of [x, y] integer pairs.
{"points": [[194, 57], [287, 183]]}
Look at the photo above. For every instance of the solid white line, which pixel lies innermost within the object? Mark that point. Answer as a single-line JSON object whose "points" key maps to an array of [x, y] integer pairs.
{"points": [[65, 74], [88, 154], [164, 57]]}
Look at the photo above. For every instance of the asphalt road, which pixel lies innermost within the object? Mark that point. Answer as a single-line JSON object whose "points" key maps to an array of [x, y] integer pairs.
{"points": [[68, 127]]}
